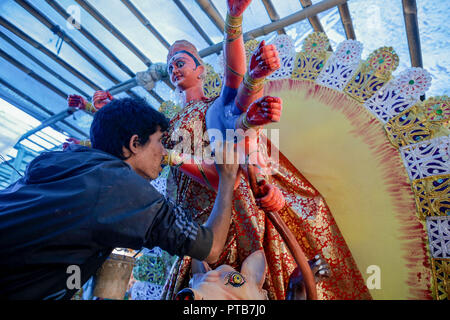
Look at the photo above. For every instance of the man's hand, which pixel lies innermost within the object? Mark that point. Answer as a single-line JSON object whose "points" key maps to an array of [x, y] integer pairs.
{"points": [[227, 161], [237, 7], [264, 110], [264, 61], [101, 98]]}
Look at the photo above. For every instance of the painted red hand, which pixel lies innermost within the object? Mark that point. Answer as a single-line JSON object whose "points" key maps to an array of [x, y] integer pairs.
{"points": [[76, 101], [70, 141], [101, 98], [264, 61], [237, 7], [273, 199], [264, 110]]}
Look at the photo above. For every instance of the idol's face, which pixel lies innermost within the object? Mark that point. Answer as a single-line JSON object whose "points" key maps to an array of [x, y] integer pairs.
{"points": [[183, 71]]}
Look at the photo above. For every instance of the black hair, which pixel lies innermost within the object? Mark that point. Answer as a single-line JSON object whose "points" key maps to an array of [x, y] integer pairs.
{"points": [[116, 122]]}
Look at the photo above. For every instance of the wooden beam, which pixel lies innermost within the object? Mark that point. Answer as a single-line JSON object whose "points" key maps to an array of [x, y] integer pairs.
{"points": [[42, 65], [192, 20], [347, 21], [412, 32], [313, 20], [273, 15], [146, 23], [282, 23], [212, 13]]}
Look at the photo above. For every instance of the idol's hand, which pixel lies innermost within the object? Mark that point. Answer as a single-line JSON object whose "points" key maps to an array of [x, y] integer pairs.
{"points": [[101, 98], [237, 7], [272, 199], [264, 61], [77, 102], [264, 110]]}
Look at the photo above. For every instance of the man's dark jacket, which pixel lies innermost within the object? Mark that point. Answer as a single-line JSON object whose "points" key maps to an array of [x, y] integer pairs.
{"points": [[73, 208]]}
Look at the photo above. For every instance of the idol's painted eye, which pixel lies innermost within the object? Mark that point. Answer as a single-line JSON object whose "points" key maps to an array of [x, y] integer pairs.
{"points": [[235, 279], [180, 64], [170, 69]]}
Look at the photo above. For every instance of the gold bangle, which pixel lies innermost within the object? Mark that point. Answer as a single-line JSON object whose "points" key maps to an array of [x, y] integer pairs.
{"points": [[245, 122], [252, 84], [233, 21], [86, 143], [89, 107]]}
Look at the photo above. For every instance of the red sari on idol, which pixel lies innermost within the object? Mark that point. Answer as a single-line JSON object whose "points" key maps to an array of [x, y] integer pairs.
{"points": [[305, 213]]}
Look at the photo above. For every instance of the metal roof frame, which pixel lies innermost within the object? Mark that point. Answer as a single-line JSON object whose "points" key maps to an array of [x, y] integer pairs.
{"points": [[309, 11]]}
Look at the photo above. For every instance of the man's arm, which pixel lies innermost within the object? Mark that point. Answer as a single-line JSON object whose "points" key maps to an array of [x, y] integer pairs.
{"points": [[220, 218], [130, 213]]}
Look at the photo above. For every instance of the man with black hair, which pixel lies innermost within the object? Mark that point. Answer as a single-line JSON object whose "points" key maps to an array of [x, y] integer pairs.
{"points": [[74, 207]]}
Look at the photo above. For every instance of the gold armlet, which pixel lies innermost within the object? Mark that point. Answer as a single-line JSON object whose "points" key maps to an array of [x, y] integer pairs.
{"points": [[233, 27], [235, 72]]}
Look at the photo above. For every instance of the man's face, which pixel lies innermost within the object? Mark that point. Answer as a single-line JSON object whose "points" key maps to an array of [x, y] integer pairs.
{"points": [[148, 157]]}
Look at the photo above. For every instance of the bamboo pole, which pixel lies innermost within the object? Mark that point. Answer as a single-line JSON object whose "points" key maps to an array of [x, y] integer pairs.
{"points": [[412, 32], [212, 13], [347, 21], [44, 20], [286, 21], [313, 20], [273, 15]]}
